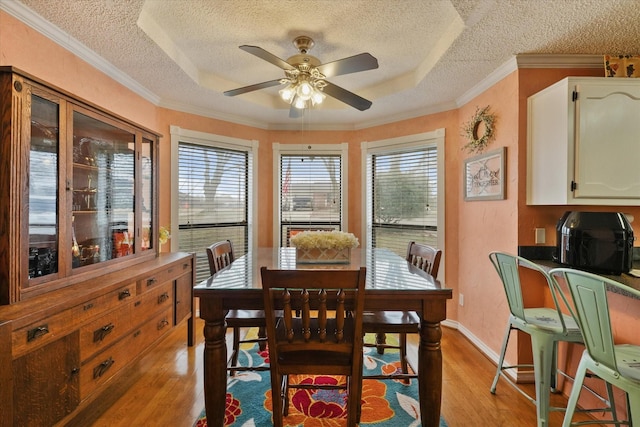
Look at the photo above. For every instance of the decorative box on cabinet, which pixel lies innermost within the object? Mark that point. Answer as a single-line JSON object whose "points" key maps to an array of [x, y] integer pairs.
{"points": [[582, 143]]}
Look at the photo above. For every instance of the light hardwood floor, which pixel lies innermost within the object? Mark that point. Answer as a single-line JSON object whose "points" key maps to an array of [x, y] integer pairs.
{"points": [[166, 390]]}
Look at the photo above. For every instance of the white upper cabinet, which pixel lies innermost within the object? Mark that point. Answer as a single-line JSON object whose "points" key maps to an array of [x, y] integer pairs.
{"points": [[583, 143]]}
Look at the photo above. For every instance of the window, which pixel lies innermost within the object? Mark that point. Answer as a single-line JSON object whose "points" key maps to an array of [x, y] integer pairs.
{"points": [[214, 188], [310, 194], [404, 194]]}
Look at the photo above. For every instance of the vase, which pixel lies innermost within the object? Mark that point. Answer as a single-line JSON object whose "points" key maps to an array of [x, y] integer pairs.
{"points": [[323, 256]]}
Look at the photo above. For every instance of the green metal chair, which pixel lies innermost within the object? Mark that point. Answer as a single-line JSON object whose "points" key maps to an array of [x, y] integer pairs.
{"points": [[616, 364], [546, 327]]}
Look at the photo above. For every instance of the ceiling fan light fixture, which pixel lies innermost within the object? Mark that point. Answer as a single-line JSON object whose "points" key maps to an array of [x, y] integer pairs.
{"points": [[305, 90], [288, 93], [300, 103], [317, 97], [302, 91]]}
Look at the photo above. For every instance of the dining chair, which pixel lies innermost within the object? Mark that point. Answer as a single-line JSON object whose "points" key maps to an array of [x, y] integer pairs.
{"points": [[380, 323], [617, 364], [325, 339], [545, 325], [221, 255]]}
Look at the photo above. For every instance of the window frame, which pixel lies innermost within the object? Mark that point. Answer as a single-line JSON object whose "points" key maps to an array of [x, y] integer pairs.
{"points": [[396, 145], [341, 149], [180, 135]]}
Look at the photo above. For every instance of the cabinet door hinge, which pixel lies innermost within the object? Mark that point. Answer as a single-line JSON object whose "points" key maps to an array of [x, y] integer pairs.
{"points": [[574, 97], [574, 186]]}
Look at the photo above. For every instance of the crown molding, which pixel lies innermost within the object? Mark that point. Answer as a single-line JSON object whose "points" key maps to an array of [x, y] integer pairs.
{"points": [[530, 61], [66, 41], [206, 112], [498, 74], [407, 115], [559, 61], [35, 21]]}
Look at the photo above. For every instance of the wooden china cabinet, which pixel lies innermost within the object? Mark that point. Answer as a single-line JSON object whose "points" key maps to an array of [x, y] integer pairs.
{"points": [[84, 292]]}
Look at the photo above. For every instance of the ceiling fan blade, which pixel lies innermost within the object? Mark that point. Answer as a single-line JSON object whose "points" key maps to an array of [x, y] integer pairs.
{"points": [[269, 57], [347, 97], [251, 88], [352, 64]]}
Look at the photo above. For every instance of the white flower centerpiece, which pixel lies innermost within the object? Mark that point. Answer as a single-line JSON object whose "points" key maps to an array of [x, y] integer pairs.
{"points": [[324, 247]]}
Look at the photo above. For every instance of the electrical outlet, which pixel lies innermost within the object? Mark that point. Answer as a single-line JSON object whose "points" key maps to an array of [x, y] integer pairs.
{"points": [[540, 236], [461, 300]]}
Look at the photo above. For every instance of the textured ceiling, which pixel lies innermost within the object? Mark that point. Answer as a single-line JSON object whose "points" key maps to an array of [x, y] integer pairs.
{"points": [[183, 54]]}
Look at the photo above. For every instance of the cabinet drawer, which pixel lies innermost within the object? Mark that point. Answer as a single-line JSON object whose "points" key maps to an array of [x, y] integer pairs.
{"points": [[112, 326], [101, 332], [163, 275], [44, 331], [154, 300], [109, 362]]}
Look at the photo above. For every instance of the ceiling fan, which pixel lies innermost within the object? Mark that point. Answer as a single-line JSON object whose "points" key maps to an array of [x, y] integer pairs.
{"points": [[306, 77]]}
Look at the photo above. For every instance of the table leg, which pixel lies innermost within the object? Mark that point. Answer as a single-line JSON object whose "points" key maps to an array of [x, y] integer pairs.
{"points": [[381, 340], [430, 373], [215, 362]]}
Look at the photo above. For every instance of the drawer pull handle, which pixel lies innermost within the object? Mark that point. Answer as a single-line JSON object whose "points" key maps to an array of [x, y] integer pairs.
{"points": [[100, 370], [137, 303], [136, 333], [124, 294], [75, 371], [162, 324], [34, 333], [162, 298], [185, 266], [100, 334], [88, 306], [151, 281]]}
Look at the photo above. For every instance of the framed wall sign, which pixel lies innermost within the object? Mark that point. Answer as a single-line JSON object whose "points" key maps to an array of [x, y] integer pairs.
{"points": [[484, 176]]}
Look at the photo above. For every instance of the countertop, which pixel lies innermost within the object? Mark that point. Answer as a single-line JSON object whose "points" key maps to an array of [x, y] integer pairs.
{"points": [[624, 278]]}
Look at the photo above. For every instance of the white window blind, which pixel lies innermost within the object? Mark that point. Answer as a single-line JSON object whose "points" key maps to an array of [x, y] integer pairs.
{"points": [[213, 200], [310, 193], [402, 200]]}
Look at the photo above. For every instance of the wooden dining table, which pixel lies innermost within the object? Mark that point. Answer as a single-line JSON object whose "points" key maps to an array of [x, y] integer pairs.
{"points": [[392, 284]]}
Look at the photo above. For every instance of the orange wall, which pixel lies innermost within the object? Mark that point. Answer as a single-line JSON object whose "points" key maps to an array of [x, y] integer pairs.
{"points": [[485, 226], [30, 51], [473, 229]]}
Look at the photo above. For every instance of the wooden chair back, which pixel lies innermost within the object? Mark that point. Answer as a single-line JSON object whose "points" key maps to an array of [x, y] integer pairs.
{"points": [[220, 255], [425, 257], [314, 327]]}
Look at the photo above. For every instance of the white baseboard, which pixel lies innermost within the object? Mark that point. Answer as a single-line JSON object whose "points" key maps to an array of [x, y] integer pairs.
{"points": [[519, 377]]}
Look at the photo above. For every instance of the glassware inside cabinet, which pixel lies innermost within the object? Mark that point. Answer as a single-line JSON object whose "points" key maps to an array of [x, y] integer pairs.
{"points": [[103, 191], [148, 240], [43, 188]]}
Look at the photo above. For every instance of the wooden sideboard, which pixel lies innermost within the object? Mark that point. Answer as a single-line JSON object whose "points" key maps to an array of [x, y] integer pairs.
{"points": [[60, 351], [84, 292]]}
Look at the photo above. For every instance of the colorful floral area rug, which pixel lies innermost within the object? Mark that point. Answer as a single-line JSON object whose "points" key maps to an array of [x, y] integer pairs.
{"points": [[388, 403]]}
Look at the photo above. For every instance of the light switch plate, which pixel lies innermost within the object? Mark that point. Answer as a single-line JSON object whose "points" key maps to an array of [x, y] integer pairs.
{"points": [[541, 237]]}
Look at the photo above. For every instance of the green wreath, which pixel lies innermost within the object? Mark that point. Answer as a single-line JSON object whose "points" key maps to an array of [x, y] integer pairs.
{"points": [[477, 143]]}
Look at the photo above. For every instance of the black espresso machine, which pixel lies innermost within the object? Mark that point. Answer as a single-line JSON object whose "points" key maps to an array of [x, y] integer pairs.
{"points": [[597, 241]]}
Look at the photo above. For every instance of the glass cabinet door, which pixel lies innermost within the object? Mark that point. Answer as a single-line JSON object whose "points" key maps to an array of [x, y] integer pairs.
{"points": [[146, 165], [103, 220], [43, 187]]}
